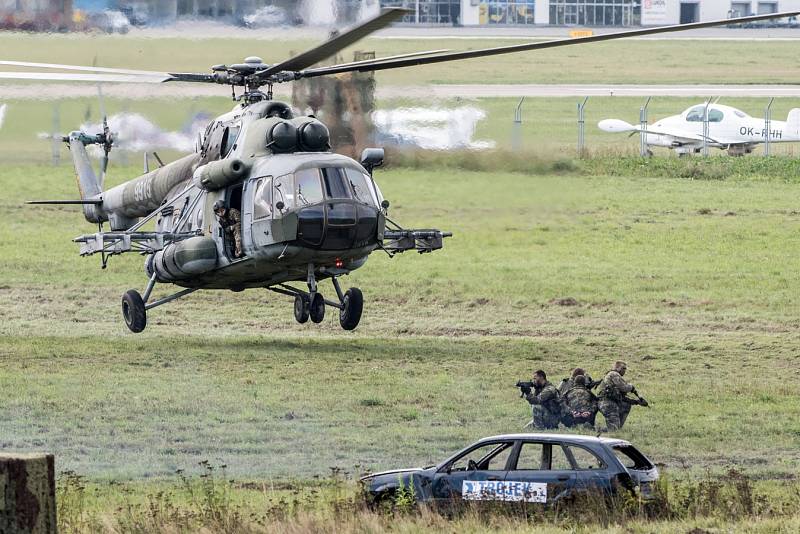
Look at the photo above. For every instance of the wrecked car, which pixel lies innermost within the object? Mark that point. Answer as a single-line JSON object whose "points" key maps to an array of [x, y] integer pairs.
{"points": [[535, 468]]}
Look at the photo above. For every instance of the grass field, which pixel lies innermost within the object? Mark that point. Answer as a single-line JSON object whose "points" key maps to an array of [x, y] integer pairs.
{"points": [[692, 281], [679, 61]]}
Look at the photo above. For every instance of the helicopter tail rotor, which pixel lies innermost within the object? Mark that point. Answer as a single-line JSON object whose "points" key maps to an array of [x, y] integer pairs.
{"points": [[106, 139]]}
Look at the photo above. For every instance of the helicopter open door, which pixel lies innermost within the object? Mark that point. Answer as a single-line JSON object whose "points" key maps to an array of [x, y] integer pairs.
{"points": [[261, 211]]}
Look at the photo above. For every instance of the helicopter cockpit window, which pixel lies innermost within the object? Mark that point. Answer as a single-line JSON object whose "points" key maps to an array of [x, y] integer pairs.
{"points": [[715, 115], [336, 184], [229, 138], [262, 202], [695, 114], [309, 189], [283, 191], [360, 184]]}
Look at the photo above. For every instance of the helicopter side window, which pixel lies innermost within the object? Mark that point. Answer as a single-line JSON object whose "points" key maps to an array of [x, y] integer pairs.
{"points": [[309, 189], [262, 202], [335, 183], [283, 191], [360, 185]]}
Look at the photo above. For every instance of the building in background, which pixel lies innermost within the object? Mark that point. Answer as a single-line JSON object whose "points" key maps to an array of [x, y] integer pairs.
{"points": [[581, 12]]}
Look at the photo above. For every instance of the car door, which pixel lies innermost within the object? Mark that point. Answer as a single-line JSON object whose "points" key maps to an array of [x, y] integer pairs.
{"points": [[474, 475], [591, 472], [540, 472]]}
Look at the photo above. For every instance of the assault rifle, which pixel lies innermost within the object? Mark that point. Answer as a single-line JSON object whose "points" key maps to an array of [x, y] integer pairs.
{"points": [[639, 401], [524, 387]]}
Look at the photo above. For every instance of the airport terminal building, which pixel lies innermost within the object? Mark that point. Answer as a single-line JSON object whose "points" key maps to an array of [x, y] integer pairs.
{"points": [[582, 12]]}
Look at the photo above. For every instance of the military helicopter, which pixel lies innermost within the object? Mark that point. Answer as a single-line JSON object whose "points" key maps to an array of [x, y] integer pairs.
{"points": [[307, 214]]}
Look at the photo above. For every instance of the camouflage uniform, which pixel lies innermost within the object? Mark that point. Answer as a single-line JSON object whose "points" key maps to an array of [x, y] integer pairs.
{"points": [[232, 223], [580, 406], [546, 406], [568, 383], [612, 405]]}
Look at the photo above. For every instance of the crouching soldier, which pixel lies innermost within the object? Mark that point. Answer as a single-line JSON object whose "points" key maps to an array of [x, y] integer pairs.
{"points": [[580, 404], [545, 401], [613, 401], [567, 383]]}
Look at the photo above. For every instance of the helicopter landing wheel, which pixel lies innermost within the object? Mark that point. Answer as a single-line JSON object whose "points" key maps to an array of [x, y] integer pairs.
{"points": [[317, 310], [133, 311], [301, 305], [352, 306]]}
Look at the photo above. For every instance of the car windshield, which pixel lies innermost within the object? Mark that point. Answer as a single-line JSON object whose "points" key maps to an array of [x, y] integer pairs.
{"points": [[492, 456]]}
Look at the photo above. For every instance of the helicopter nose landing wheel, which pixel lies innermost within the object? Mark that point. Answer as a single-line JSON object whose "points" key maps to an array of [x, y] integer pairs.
{"points": [[352, 306], [301, 308], [317, 310], [133, 311]]}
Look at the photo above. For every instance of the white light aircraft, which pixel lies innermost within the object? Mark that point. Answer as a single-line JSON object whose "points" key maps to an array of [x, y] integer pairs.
{"points": [[728, 129]]}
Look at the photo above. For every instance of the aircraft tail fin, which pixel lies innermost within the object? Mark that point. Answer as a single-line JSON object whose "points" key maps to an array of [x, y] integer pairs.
{"points": [[89, 185], [793, 123]]}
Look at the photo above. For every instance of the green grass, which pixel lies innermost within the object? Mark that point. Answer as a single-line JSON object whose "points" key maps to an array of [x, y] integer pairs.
{"points": [[693, 282], [721, 61], [212, 504]]}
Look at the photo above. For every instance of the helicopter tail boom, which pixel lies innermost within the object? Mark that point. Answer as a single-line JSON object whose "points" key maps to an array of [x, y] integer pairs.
{"points": [[89, 185]]}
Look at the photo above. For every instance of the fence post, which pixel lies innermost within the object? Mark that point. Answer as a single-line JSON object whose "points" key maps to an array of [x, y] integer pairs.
{"points": [[27, 494], [705, 128], [55, 141], [767, 126], [581, 127], [643, 126], [516, 133]]}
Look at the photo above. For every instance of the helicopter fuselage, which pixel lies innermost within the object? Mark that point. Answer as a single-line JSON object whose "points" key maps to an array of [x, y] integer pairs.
{"points": [[323, 222]]}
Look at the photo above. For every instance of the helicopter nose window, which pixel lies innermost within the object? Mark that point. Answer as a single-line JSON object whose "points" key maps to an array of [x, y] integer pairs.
{"points": [[336, 185], [360, 185], [309, 189]]}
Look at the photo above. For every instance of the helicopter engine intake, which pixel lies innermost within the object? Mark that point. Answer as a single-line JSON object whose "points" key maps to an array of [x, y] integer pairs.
{"points": [[221, 173]]}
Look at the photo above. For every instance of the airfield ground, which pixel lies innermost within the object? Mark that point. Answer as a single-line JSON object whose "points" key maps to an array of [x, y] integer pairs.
{"points": [[693, 282]]}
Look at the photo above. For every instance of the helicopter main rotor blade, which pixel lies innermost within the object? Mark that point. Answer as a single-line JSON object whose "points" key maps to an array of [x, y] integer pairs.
{"points": [[398, 56], [469, 54], [104, 70], [68, 77], [337, 43]]}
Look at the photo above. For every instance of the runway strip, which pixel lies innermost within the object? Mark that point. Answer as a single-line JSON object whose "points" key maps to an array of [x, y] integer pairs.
{"points": [[552, 91], [169, 91]]}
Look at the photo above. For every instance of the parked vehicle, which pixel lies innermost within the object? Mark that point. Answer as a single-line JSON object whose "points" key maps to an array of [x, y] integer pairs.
{"points": [[266, 17], [536, 468], [109, 21]]}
